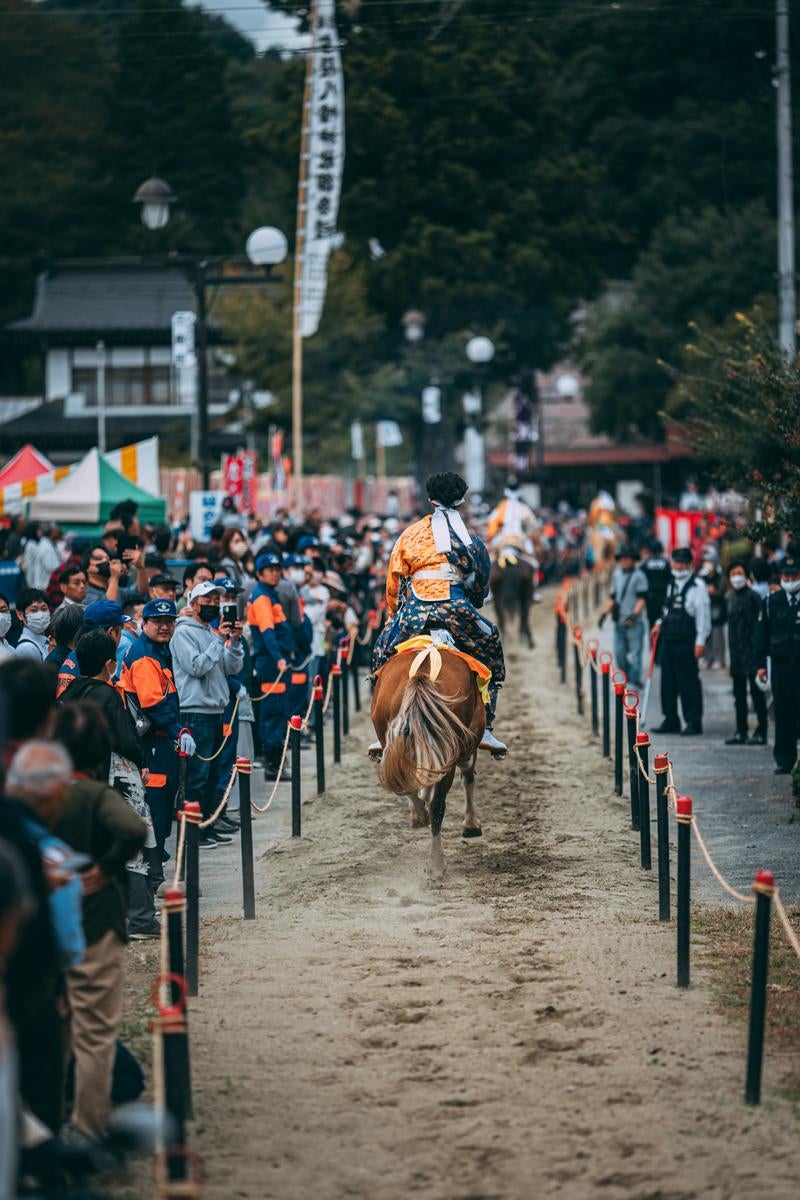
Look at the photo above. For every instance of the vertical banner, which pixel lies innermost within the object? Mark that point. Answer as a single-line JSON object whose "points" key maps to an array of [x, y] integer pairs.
{"points": [[249, 460], [325, 123]]}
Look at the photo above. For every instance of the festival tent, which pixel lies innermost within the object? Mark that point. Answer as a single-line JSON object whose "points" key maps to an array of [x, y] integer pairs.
{"points": [[84, 500], [27, 463], [138, 462]]}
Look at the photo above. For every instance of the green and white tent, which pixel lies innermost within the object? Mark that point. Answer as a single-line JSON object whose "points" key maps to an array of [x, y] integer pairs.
{"points": [[84, 500]]}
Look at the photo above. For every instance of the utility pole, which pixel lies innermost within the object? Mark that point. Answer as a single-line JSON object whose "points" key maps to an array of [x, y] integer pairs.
{"points": [[101, 397], [787, 299]]}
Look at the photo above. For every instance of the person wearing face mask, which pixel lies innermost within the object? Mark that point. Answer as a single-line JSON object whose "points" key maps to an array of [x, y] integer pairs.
{"points": [[685, 625], [273, 648], [34, 612], [236, 558], [6, 649], [715, 583], [626, 606], [778, 639], [294, 606], [206, 651], [744, 610]]}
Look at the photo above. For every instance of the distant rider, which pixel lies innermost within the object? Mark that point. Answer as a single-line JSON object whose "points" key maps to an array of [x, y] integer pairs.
{"points": [[437, 578], [513, 524]]}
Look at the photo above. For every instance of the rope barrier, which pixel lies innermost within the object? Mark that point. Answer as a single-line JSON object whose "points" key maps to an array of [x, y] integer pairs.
{"points": [[262, 808], [179, 850], [576, 634], [224, 741], [226, 797], [783, 916]]}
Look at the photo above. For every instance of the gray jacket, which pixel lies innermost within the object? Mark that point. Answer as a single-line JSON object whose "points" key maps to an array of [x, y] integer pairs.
{"points": [[201, 663]]}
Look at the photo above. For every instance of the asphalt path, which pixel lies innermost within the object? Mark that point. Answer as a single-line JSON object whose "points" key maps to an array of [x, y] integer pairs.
{"points": [[745, 812]]}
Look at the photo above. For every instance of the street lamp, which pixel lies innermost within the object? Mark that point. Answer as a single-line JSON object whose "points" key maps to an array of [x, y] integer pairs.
{"points": [[155, 196], [413, 323], [480, 352], [266, 247]]}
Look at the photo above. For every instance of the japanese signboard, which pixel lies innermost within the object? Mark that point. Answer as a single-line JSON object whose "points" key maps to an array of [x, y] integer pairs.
{"points": [[183, 339], [325, 122]]}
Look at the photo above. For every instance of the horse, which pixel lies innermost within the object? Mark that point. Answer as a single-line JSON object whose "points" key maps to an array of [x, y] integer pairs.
{"points": [[429, 718], [512, 582]]}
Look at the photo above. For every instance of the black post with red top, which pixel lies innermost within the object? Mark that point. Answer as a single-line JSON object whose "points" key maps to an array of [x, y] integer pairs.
{"points": [[296, 727], [319, 733], [173, 907], [605, 681], [631, 704], [764, 888], [645, 850], [619, 695], [192, 816], [683, 815], [661, 768], [336, 671], [244, 769]]}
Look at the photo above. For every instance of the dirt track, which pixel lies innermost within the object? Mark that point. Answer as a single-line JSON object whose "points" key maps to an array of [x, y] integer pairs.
{"points": [[515, 1033]]}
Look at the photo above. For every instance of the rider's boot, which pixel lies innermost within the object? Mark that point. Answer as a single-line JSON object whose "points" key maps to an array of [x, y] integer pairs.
{"points": [[490, 742]]}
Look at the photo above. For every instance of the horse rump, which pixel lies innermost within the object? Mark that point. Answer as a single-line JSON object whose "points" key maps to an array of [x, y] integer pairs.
{"points": [[425, 740]]}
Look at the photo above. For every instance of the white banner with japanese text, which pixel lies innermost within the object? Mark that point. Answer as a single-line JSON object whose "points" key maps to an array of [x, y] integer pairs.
{"points": [[325, 164]]}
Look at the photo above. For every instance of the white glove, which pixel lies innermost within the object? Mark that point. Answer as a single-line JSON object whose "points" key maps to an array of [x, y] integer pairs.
{"points": [[187, 744]]}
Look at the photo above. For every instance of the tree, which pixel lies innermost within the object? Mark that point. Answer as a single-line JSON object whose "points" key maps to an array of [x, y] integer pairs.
{"points": [[738, 399], [54, 84], [170, 115], [700, 266], [458, 162]]}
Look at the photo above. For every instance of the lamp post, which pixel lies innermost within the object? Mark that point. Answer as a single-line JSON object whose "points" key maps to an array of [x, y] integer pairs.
{"points": [[266, 247], [480, 352]]}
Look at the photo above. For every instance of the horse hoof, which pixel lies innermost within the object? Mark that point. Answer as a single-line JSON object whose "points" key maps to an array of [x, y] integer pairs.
{"points": [[470, 831], [419, 822]]}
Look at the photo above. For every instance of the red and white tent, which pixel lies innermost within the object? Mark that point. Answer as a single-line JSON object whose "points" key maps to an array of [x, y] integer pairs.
{"points": [[27, 463]]}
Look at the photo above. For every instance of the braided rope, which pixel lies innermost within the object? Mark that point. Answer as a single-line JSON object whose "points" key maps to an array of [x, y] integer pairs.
{"points": [[328, 693], [262, 808], [224, 741], [783, 917], [180, 849], [226, 797], [713, 867]]}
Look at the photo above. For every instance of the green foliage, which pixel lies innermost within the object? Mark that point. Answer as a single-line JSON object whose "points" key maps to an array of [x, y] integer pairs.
{"points": [[699, 266], [738, 400], [170, 115]]}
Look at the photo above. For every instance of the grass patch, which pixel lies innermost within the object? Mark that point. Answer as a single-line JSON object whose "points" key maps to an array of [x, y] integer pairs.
{"points": [[725, 951]]}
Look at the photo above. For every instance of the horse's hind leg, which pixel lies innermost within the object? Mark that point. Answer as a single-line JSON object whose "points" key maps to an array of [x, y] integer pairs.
{"points": [[472, 826], [437, 808], [418, 809]]}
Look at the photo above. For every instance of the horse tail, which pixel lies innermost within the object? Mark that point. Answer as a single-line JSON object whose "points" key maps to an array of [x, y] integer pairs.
{"points": [[424, 741]]}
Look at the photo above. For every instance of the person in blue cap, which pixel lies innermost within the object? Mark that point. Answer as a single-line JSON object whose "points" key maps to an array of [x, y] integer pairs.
{"points": [[273, 648], [148, 683], [100, 614], [295, 575]]}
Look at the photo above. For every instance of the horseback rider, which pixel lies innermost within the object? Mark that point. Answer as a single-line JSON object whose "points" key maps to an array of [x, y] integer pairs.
{"points": [[438, 578], [513, 525]]}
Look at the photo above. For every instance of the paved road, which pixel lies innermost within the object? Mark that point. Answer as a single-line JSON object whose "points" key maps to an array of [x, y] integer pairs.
{"points": [[745, 812]]}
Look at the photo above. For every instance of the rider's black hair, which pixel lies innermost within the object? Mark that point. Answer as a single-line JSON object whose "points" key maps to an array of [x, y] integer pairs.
{"points": [[445, 486]]}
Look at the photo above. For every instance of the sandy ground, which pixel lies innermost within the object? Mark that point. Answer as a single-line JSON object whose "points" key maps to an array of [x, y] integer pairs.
{"points": [[513, 1033]]}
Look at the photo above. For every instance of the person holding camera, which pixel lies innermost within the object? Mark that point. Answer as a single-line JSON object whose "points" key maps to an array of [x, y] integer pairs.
{"points": [[626, 606], [206, 649], [273, 649], [108, 575]]}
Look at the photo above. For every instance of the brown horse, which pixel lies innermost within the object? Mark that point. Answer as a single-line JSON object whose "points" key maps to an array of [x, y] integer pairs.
{"points": [[429, 718], [512, 581]]}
